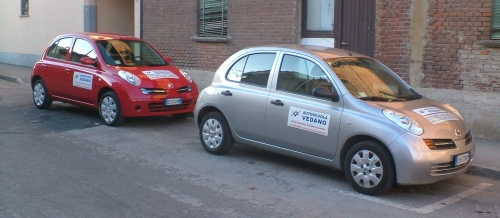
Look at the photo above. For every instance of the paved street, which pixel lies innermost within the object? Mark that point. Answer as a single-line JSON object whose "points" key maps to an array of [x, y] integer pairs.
{"points": [[63, 162]]}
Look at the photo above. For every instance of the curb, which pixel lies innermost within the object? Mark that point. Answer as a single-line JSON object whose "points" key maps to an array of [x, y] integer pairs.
{"points": [[12, 79], [483, 171]]}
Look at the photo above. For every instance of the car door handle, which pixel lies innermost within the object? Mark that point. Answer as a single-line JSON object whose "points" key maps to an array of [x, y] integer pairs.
{"points": [[277, 102], [67, 70], [227, 93]]}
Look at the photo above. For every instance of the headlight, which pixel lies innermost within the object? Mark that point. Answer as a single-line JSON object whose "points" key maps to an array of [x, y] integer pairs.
{"points": [[131, 78], [186, 75], [404, 121]]}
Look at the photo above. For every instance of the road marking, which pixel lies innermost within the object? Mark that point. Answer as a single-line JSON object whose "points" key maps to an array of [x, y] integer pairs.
{"points": [[423, 210]]}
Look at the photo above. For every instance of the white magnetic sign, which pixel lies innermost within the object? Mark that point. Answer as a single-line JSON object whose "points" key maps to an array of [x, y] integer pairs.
{"points": [[82, 80], [435, 115], [308, 120], [160, 74]]}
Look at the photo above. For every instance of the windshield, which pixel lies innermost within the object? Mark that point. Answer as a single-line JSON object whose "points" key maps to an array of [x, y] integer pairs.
{"points": [[369, 80], [129, 53]]}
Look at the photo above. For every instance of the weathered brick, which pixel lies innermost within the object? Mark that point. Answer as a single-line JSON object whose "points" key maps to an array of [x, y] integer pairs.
{"points": [[452, 54]]}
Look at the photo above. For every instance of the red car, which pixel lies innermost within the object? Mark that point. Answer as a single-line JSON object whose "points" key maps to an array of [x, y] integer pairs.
{"points": [[121, 76]]}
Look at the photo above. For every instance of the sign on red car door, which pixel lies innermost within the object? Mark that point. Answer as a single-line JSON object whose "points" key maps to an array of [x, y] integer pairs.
{"points": [[81, 77]]}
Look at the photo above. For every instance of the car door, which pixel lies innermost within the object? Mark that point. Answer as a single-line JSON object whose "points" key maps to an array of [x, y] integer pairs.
{"points": [[54, 66], [80, 79], [243, 94], [297, 120]]}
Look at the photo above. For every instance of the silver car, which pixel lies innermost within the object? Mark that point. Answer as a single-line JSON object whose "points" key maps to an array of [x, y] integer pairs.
{"points": [[336, 108]]}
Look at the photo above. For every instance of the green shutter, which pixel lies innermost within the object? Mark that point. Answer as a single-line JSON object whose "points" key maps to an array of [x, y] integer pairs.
{"points": [[495, 24], [213, 18]]}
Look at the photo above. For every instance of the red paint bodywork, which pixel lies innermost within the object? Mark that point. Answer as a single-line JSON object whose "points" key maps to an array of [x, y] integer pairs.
{"points": [[58, 77]]}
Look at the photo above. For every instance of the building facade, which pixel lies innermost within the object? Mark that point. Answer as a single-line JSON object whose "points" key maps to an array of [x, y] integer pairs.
{"points": [[442, 44], [26, 26]]}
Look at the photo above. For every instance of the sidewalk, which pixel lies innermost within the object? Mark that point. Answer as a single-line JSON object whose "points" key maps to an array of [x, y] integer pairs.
{"points": [[486, 160], [15, 73]]}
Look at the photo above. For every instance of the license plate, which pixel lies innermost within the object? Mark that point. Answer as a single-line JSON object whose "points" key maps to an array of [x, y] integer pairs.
{"points": [[462, 159], [173, 101]]}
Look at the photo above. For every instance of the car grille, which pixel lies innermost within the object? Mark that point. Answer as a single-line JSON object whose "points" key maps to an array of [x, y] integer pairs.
{"points": [[160, 106], [446, 168], [440, 144]]}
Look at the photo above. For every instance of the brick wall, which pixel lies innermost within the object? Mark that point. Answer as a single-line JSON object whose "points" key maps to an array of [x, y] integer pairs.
{"points": [[393, 35], [459, 61], [469, 24], [169, 25], [454, 56]]}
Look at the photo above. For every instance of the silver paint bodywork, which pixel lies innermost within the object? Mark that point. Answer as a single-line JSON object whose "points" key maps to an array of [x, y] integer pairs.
{"points": [[254, 121]]}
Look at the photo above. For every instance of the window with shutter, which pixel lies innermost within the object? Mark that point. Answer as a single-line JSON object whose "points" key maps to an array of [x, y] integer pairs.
{"points": [[495, 24], [212, 18]]}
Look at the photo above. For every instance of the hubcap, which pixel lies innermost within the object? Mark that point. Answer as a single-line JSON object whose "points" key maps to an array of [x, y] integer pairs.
{"points": [[366, 169], [108, 109], [212, 133], [38, 94]]}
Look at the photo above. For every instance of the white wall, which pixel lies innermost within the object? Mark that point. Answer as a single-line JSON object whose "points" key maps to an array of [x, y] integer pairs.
{"points": [[46, 20]]}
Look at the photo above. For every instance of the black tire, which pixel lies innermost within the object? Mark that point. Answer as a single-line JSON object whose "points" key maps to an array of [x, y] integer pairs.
{"points": [[181, 116], [375, 178], [215, 135], [41, 96], [110, 109]]}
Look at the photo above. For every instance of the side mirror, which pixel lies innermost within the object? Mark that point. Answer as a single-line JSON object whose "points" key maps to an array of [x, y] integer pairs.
{"points": [[323, 92], [88, 61], [168, 59]]}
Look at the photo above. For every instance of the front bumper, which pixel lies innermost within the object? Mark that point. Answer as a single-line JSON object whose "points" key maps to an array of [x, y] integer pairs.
{"points": [[137, 104], [417, 164]]}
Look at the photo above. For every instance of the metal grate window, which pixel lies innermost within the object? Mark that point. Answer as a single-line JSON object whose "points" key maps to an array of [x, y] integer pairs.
{"points": [[495, 23], [25, 7], [212, 18]]}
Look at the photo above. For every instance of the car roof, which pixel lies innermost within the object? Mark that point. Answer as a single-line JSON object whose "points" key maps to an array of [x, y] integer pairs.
{"points": [[101, 36], [320, 51]]}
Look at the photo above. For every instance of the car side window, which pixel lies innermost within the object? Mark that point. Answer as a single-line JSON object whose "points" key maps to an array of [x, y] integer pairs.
{"points": [[252, 69], [301, 76], [60, 48], [81, 49]]}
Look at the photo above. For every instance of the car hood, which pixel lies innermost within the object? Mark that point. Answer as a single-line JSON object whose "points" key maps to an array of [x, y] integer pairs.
{"points": [[439, 121], [167, 77]]}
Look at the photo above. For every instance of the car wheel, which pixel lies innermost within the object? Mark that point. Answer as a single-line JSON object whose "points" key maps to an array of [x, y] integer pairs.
{"points": [[110, 109], [215, 135], [369, 168], [181, 116], [41, 97]]}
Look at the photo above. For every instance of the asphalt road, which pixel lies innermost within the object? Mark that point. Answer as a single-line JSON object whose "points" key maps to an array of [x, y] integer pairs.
{"points": [[63, 162]]}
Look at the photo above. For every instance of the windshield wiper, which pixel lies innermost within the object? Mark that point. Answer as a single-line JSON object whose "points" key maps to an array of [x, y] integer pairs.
{"points": [[373, 98], [408, 97]]}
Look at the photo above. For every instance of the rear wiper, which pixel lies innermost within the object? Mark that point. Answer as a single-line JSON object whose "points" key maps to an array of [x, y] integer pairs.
{"points": [[373, 98]]}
